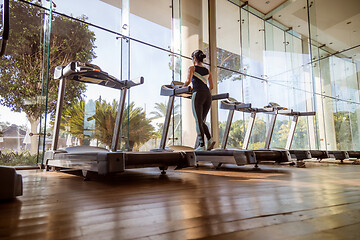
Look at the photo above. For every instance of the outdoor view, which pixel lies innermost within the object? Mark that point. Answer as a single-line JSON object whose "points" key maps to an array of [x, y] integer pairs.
{"points": [[257, 63]]}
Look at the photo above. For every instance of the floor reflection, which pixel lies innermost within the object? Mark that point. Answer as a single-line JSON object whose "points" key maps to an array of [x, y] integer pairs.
{"points": [[9, 216]]}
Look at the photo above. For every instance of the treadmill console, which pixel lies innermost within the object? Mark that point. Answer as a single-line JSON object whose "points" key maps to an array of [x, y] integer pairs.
{"points": [[176, 89], [177, 84], [90, 73]]}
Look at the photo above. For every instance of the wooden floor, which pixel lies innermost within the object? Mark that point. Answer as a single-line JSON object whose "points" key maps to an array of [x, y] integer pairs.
{"points": [[276, 202]]}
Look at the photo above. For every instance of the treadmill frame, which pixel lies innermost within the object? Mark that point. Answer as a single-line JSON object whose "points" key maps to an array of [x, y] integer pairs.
{"points": [[96, 159]]}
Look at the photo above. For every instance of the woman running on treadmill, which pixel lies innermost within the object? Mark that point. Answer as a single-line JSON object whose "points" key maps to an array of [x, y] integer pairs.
{"points": [[200, 77]]}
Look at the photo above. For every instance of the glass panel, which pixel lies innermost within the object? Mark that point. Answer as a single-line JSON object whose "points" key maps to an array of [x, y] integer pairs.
{"points": [[150, 21], [277, 71], [89, 11], [148, 106], [352, 84], [330, 35], [228, 39], [328, 103], [194, 35], [234, 88], [341, 114], [252, 42], [355, 124], [43, 135], [228, 58], [253, 45], [253, 88], [21, 86], [90, 110]]}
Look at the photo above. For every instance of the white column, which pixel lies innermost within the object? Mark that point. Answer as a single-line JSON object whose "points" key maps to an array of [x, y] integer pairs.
{"points": [[213, 69]]}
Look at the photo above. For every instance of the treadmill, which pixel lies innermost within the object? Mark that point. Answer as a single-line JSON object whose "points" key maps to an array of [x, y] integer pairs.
{"points": [[96, 159], [215, 156], [319, 154], [260, 155], [300, 155], [337, 155]]}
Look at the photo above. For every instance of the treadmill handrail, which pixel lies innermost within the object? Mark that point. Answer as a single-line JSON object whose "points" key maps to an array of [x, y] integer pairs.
{"points": [[134, 82], [234, 106], [170, 90], [220, 96], [90, 73], [290, 112], [6, 27], [307, 113], [182, 90]]}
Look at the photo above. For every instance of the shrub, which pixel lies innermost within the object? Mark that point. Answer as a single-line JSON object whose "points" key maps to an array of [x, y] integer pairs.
{"points": [[17, 158]]}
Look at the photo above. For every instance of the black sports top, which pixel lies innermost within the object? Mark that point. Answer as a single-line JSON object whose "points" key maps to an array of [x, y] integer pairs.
{"points": [[198, 84]]}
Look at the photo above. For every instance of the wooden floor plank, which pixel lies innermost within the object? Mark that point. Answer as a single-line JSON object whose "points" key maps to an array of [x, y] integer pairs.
{"points": [[350, 232], [293, 229], [192, 203]]}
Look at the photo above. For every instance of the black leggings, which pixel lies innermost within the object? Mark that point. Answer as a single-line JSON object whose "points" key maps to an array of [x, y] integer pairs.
{"points": [[201, 103]]}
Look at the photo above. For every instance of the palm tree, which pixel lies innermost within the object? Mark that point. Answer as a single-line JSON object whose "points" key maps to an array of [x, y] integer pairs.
{"points": [[136, 128], [160, 113], [105, 117], [73, 120]]}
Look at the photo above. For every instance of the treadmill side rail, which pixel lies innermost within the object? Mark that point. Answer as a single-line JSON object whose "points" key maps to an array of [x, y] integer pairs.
{"points": [[339, 155], [110, 163], [244, 157], [300, 154]]}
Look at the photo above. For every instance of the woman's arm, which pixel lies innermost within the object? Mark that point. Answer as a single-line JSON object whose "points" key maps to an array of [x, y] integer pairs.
{"points": [[189, 76], [211, 85]]}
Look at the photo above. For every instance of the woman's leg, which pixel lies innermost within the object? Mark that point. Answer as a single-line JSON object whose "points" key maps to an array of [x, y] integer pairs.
{"points": [[197, 107], [206, 108]]}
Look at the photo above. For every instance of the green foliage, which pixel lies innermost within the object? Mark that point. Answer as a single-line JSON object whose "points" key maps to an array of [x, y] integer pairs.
{"points": [[301, 138], [280, 134], [343, 130], [279, 138], [226, 60], [105, 118], [238, 130], [160, 113], [17, 159], [21, 68], [135, 126], [73, 120]]}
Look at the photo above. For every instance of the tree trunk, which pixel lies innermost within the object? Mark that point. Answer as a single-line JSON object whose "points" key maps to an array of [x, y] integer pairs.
{"points": [[34, 139]]}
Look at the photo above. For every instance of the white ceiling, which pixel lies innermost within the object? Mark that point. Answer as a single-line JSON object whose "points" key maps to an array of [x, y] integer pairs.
{"points": [[334, 23], [265, 6]]}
